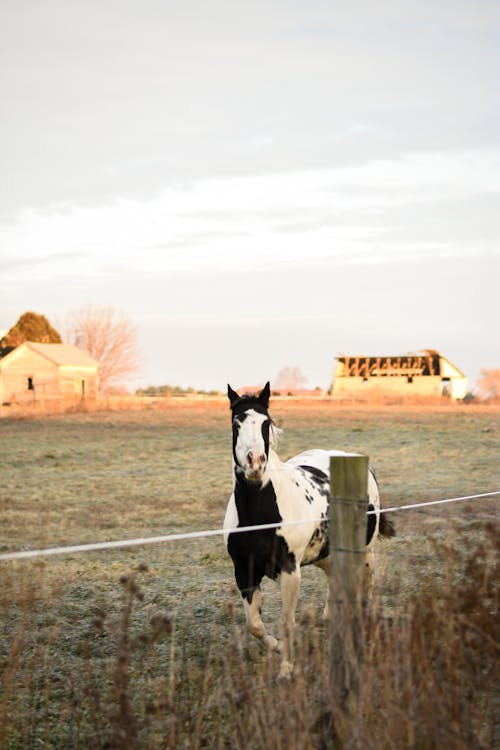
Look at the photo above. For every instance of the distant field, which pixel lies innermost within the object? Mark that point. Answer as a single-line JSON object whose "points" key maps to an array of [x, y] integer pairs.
{"points": [[122, 474]]}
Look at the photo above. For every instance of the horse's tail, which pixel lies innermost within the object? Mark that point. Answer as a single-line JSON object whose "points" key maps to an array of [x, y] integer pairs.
{"points": [[386, 527]]}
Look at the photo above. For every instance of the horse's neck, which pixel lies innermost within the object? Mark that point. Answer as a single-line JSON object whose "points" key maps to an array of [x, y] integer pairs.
{"points": [[274, 462], [274, 469], [257, 503]]}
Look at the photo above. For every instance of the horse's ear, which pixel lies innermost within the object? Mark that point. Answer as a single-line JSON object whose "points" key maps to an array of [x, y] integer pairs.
{"points": [[265, 394], [232, 395]]}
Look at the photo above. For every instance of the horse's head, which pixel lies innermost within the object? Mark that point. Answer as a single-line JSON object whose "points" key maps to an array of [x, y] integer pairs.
{"points": [[252, 431]]}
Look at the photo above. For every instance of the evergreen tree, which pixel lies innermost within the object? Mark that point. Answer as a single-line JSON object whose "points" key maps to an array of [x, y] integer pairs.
{"points": [[30, 327]]}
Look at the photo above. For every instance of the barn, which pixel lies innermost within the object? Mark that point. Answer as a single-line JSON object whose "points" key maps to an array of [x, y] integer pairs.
{"points": [[38, 372], [425, 373]]}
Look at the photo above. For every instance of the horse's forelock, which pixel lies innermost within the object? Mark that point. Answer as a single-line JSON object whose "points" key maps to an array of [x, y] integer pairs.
{"points": [[248, 401]]}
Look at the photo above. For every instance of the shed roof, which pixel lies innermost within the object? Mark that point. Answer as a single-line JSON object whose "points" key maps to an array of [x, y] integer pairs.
{"points": [[60, 354], [64, 354]]}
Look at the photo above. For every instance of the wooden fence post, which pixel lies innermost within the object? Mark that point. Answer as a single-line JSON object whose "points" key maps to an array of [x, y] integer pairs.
{"points": [[347, 531]]}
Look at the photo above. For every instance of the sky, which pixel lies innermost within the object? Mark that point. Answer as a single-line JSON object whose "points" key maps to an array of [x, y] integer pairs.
{"points": [[255, 185]]}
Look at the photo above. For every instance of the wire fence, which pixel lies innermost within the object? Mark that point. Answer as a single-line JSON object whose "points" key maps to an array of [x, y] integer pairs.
{"points": [[191, 535]]}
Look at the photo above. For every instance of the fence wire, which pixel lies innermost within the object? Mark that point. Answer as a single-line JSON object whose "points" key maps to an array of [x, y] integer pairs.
{"points": [[190, 535]]}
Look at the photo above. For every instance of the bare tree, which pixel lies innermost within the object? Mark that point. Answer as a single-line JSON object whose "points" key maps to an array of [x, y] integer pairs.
{"points": [[290, 378], [110, 338], [488, 385]]}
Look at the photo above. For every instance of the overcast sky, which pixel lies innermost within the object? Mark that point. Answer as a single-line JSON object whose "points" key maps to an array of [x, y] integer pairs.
{"points": [[255, 184]]}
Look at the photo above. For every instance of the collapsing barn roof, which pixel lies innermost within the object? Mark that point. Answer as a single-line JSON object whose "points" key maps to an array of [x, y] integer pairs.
{"points": [[426, 363], [433, 373]]}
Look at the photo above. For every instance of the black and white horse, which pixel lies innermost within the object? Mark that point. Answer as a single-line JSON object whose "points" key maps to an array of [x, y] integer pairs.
{"points": [[266, 491]]}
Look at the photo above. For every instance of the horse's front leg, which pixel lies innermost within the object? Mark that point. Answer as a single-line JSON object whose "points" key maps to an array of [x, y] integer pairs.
{"points": [[290, 585], [252, 601], [249, 587]]}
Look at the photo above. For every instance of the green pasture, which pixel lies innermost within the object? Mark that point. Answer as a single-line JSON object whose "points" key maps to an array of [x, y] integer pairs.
{"points": [[130, 648]]}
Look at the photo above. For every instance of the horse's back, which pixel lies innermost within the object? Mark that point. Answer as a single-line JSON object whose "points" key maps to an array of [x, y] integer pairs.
{"points": [[319, 458]]}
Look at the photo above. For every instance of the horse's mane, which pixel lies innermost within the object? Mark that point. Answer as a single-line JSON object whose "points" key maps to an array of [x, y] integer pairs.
{"points": [[275, 434]]}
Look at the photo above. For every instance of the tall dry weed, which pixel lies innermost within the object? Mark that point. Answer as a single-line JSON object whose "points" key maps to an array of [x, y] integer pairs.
{"points": [[428, 676]]}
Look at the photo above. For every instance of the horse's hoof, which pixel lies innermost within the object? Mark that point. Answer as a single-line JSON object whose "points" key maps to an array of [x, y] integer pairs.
{"points": [[286, 670], [272, 643]]}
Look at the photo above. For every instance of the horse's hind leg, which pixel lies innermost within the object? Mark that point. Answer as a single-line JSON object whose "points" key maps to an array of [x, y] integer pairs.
{"points": [[324, 564], [290, 584], [368, 574]]}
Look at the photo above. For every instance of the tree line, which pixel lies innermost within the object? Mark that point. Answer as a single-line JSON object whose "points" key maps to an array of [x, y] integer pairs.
{"points": [[173, 390], [111, 339]]}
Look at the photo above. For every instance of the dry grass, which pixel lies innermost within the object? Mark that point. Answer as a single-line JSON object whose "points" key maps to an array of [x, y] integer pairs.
{"points": [[160, 659]]}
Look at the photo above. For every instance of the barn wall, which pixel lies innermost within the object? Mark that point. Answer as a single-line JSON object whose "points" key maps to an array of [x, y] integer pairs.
{"points": [[78, 381], [373, 388], [458, 387], [448, 370], [50, 381], [28, 364]]}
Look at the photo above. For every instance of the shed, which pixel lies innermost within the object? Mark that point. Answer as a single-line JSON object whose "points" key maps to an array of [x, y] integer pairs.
{"points": [[38, 372], [425, 373]]}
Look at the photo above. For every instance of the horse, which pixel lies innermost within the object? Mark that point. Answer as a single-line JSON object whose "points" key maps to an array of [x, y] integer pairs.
{"points": [[267, 490]]}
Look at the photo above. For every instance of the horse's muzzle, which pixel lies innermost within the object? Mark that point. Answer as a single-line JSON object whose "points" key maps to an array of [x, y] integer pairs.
{"points": [[255, 466]]}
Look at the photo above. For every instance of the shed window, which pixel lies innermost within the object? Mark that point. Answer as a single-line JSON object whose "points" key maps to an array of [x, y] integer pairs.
{"points": [[31, 385]]}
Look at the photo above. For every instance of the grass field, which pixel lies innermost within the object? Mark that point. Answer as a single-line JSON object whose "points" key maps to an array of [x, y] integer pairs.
{"points": [[145, 647]]}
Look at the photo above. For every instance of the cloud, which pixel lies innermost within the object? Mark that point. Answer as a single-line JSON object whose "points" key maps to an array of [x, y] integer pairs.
{"points": [[219, 160], [411, 207], [113, 100]]}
